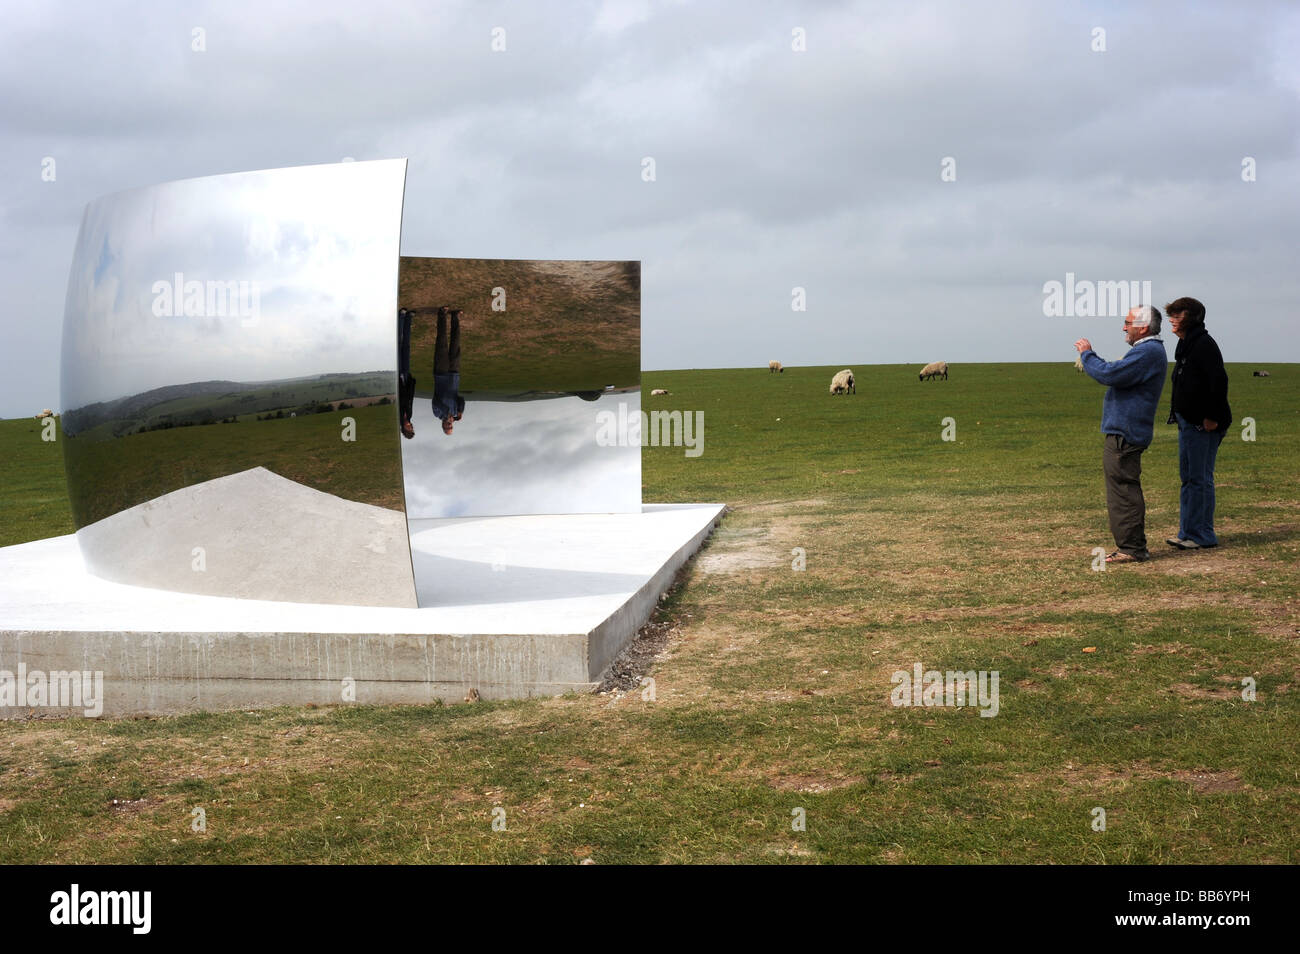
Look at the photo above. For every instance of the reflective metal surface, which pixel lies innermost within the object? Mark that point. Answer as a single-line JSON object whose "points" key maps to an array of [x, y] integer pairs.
{"points": [[229, 386], [543, 353]]}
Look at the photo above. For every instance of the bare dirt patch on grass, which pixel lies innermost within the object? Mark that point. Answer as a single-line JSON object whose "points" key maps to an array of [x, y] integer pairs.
{"points": [[758, 537], [1211, 783], [793, 851], [1188, 691], [1160, 649], [1202, 781], [765, 546], [810, 784], [732, 551]]}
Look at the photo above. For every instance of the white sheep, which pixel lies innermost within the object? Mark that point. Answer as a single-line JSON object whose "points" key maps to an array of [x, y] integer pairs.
{"points": [[842, 383], [657, 391], [44, 414], [934, 369], [775, 366], [1078, 362]]}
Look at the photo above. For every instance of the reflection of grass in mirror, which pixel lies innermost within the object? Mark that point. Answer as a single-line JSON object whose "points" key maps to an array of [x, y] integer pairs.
{"points": [[308, 449], [565, 372], [568, 326]]}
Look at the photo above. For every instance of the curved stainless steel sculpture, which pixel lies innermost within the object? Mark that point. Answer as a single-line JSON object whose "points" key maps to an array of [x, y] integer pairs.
{"points": [[528, 359], [229, 386]]}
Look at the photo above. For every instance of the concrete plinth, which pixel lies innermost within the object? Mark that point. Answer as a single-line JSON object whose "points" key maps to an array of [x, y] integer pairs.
{"points": [[510, 606]]}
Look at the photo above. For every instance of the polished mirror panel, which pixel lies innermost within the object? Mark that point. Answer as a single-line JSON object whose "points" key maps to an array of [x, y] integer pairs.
{"points": [[520, 386], [230, 389]]}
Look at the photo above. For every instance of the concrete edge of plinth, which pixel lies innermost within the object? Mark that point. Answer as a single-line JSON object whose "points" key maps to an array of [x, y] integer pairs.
{"points": [[171, 673], [607, 640]]}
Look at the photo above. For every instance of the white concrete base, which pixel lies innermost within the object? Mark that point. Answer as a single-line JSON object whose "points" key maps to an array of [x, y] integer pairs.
{"points": [[511, 606]]}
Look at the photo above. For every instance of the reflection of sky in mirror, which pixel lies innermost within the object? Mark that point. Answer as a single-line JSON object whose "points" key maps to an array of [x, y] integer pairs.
{"points": [[519, 457], [320, 242]]}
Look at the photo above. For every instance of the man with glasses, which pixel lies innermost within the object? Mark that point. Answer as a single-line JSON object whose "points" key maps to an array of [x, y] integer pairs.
{"points": [[1128, 417]]}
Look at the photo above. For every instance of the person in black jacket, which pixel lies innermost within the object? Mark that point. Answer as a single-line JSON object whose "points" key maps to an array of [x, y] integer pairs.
{"points": [[405, 383], [1200, 408]]}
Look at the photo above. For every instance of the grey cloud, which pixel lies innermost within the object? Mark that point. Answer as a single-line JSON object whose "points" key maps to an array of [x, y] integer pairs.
{"points": [[775, 168]]}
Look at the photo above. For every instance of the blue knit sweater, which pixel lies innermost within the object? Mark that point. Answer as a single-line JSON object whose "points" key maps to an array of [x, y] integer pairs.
{"points": [[1134, 383]]}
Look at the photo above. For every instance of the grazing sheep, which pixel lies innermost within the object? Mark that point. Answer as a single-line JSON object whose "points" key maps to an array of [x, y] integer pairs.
{"points": [[842, 383], [775, 366], [1261, 374], [1078, 362], [934, 369], [657, 391], [44, 414]]}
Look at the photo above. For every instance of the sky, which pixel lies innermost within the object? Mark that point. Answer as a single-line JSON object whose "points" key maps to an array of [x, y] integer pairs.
{"points": [[307, 287], [920, 170]]}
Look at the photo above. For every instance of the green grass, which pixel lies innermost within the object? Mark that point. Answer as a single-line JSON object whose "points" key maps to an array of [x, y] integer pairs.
{"points": [[33, 490], [774, 693]]}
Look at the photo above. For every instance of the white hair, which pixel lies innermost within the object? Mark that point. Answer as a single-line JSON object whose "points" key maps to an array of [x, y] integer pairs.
{"points": [[1144, 315]]}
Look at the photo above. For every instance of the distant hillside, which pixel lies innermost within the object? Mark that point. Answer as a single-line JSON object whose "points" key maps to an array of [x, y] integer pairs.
{"points": [[202, 402]]}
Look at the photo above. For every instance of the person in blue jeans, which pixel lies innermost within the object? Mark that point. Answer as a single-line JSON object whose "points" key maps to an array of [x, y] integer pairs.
{"points": [[448, 405], [1128, 418], [1200, 409]]}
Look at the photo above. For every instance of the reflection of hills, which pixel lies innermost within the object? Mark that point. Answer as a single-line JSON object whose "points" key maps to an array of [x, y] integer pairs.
{"points": [[568, 326], [208, 402]]}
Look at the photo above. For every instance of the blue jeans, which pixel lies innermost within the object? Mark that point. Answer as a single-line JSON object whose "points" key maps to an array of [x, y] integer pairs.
{"points": [[1197, 450]]}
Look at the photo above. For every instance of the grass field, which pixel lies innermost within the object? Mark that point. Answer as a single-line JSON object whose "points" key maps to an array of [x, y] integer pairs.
{"points": [[772, 690]]}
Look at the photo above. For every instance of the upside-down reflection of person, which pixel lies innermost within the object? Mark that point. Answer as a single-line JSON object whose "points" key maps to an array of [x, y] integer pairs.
{"points": [[447, 402], [405, 383]]}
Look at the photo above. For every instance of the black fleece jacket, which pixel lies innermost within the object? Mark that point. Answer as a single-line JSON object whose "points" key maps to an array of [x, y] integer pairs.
{"points": [[1200, 381]]}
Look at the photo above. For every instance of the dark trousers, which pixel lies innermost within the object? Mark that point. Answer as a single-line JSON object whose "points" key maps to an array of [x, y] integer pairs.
{"points": [[446, 348], [405, 383], [1121, 462]]}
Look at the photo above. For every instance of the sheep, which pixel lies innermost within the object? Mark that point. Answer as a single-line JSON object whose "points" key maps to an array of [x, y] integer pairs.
{"points": [[657, 391], [1078, 362], [934, 369], [775, 366], [842, 383], [1261, 374], [44, 414]]}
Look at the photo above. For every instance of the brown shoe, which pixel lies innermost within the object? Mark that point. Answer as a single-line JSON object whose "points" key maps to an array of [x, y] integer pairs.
{"points": [[1119, 556]]}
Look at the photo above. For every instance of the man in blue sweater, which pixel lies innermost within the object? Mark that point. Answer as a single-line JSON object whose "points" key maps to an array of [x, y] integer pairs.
{"points": [[1128, 415]]}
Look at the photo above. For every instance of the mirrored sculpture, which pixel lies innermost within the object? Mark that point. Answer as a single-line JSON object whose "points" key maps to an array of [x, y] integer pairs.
{"points": [[229, 386], [512, 366]]}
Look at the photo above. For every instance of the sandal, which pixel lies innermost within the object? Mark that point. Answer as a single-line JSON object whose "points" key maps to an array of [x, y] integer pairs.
{"points": [[1119, 556]]}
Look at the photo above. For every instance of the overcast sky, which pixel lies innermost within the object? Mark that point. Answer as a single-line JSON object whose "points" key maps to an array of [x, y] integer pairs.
{"points": [[556, 461], [325, 274], [774, 168]]}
